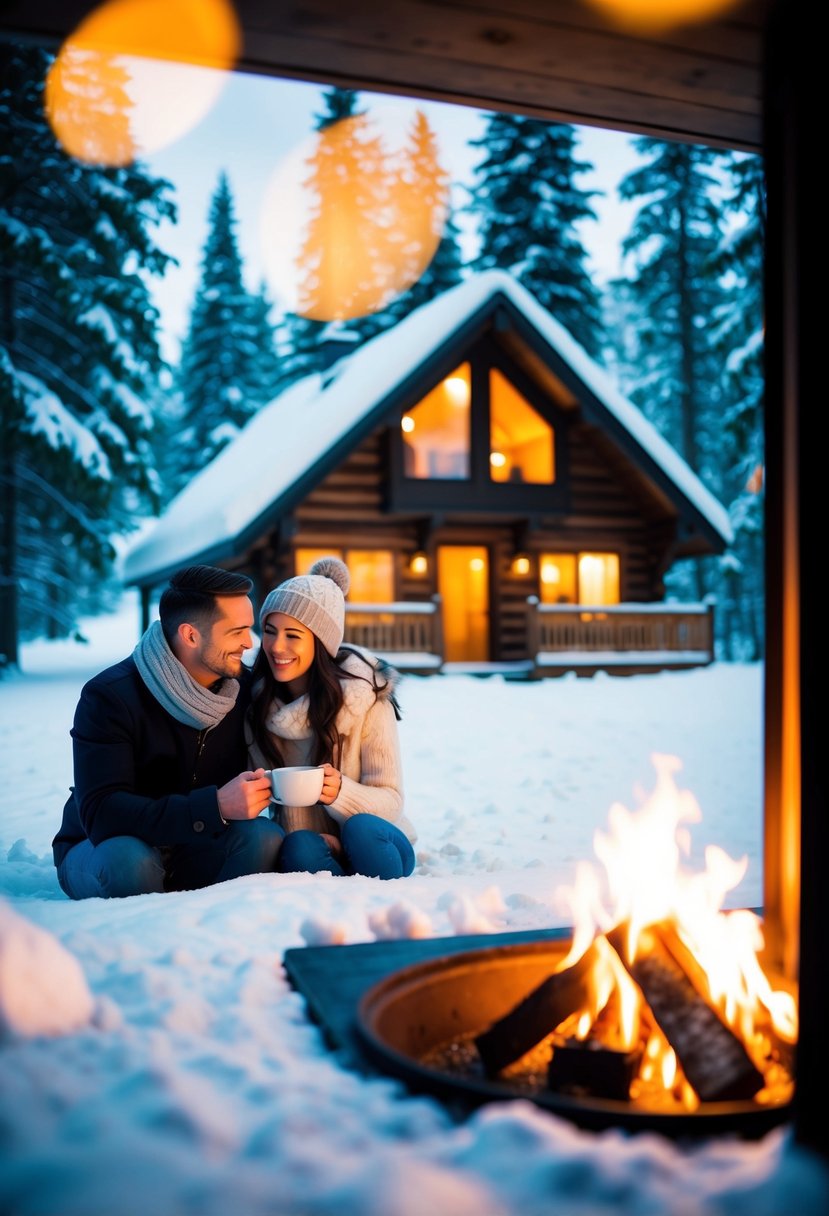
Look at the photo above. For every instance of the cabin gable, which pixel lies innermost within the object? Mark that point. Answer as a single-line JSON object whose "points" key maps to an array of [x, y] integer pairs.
{"points": [[600, 502]]}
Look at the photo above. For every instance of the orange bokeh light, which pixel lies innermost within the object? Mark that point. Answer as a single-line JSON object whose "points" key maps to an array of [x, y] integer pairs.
{"points": [[657, 16], [374, 220], [136, 74]]}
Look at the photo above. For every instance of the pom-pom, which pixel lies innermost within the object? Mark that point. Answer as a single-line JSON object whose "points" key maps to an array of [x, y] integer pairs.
{"points": [[333, 568]]}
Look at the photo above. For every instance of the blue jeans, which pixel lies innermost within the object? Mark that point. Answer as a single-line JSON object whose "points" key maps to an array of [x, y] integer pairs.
{"points": [[125, 865], [371, 845]]}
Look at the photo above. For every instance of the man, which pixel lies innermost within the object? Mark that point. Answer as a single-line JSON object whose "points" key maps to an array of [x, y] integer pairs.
{"points": [[161, 799]]}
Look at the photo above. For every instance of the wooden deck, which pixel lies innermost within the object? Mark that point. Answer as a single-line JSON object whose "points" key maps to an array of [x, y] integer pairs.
{"points": [[407, 635], [624, 639]]}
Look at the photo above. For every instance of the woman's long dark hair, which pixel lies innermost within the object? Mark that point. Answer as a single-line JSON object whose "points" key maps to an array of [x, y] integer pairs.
{"points": [[325, 700]]}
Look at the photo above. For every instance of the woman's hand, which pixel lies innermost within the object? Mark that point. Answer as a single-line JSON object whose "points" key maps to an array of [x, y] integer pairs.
{"points": [[331, 784]]}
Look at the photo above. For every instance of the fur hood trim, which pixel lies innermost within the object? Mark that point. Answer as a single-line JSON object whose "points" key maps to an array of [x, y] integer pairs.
{"points": [[377, 680]]}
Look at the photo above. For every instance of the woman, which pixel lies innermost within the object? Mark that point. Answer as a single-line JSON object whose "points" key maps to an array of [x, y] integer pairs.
{"points": [[318, 702]]}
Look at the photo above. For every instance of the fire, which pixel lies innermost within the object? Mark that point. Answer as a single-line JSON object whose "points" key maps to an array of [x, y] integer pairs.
{"points": [[649, 916]]}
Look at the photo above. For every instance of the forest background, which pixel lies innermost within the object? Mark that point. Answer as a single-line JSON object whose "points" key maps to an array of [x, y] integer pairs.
{"points": [[105, 412]]}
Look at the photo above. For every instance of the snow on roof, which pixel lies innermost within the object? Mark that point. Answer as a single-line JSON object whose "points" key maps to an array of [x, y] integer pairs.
{"points": [[290, 434]]}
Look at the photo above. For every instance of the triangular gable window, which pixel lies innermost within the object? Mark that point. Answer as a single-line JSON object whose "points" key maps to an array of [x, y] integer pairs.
{"points": [[522, 444], [485, 437], [436, 433]]}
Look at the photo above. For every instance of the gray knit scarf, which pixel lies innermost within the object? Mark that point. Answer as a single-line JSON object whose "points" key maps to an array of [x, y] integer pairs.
{"points": [[175, 689]]}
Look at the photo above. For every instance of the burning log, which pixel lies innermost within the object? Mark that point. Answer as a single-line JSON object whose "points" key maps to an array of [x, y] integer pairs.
{"points": [[597, 1065], [588, 1066], [715, 1062], [537, 1015]]}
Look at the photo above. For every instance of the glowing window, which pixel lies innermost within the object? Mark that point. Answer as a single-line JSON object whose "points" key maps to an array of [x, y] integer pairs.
{"points": [[557, 573], [371, 571], [436, 432], [521, 443], [579, 578], [305, 558], [372, 576]]}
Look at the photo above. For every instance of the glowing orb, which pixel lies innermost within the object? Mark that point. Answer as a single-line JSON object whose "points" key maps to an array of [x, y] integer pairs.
{"points": [[656, 16], [137, 74], [352, 218]]}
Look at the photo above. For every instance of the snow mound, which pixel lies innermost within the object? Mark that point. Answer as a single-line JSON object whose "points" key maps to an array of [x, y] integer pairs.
{"points": [[43, 990]]}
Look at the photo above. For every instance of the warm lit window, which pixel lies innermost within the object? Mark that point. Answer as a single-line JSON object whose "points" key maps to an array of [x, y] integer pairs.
{"points": [[372, 575], [558, 578], [436, 432], [579, 578], [371, 571], [521, 443], [305, 558]]}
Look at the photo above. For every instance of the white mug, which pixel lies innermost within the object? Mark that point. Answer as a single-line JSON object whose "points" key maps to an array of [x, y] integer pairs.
{"points": [[297, 786]]}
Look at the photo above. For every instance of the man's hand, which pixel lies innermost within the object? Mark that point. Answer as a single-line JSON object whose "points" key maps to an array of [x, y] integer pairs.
{"points": [[246, 796]]}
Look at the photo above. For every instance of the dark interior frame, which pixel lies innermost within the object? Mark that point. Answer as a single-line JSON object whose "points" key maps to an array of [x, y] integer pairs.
{"points": [[706, 90]]}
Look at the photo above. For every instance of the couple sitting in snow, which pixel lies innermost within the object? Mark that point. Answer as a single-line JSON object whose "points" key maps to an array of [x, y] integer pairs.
{"points": [[172, 744]]}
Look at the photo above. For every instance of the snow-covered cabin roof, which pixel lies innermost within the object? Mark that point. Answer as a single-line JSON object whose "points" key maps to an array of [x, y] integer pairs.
{"points": [[272, 462]]}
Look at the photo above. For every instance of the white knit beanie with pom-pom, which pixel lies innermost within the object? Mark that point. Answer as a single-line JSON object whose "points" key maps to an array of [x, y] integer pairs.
{"points": [[316, 599]]}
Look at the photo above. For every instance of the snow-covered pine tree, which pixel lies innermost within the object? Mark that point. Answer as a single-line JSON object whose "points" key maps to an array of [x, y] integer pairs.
{"points": [[444, 271], [343, 259], [265, 371], [425, 217], [79, 359], [738, 334], [228, 361], [673, 291], [528, 205], [306, 337]]}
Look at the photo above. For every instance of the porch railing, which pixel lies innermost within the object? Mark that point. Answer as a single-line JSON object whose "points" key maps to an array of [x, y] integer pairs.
{"points": [[622, 637], [409, 635]]}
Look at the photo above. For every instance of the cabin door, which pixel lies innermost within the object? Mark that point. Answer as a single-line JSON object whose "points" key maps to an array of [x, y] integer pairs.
{"points": [[463, 583]]}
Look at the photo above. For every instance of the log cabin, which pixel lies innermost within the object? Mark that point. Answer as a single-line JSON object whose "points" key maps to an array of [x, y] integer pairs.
{"points": [[499, 503]]}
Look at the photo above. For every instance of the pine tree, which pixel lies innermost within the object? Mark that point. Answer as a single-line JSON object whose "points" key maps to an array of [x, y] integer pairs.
{"points": [[444, 271], [427, 240], [676, 290], [302, 344], [306, 337], [343, 260], [528, 206], [79, 357], [228, 365], [738, 336], [265, 371], [339, 104]]}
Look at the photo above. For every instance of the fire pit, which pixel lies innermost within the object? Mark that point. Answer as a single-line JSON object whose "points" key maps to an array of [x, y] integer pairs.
{"points": [[420, 1023], [657, 1014]]}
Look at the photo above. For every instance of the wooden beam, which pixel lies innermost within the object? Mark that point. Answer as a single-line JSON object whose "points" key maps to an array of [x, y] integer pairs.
{"points": [[555, 59]]}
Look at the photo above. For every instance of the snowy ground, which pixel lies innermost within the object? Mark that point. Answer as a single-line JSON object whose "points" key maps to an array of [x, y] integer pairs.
{"points": [[154, 1058]]}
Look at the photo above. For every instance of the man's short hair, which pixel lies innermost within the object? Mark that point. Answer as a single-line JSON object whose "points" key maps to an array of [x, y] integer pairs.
{"points": [[190, 597]]}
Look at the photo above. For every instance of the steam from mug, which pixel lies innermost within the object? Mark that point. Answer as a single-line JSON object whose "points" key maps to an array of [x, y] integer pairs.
{"points": [[300, 785]]}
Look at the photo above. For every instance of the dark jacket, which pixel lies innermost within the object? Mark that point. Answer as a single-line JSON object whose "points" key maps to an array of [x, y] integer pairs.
{"points": [[139, 772]]}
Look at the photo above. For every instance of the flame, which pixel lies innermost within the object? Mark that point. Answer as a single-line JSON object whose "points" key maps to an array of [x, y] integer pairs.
{"points": [[646, 882]]}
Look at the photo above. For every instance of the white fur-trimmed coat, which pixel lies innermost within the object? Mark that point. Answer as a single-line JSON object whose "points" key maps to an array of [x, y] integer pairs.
{"points": [[367, 752]]}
